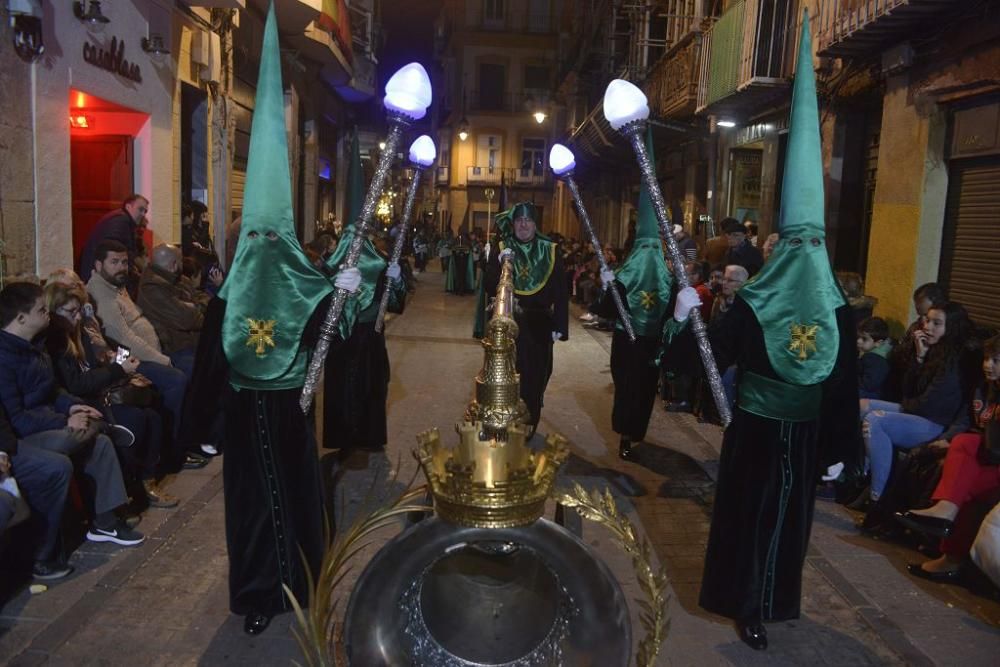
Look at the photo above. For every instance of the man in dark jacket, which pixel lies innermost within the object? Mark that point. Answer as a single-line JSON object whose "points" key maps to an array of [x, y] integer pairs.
{"points": [[741, 251], [45, 417], [119, 225]]}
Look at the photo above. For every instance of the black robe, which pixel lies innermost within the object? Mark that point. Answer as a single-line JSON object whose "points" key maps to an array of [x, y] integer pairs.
{"points": [[767, 479], [271, 477], [356, 381], [537, 316], [633, 371]]}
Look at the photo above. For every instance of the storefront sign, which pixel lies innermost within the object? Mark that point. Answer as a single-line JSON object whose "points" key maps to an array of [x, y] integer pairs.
{"points": [[113, 60]]}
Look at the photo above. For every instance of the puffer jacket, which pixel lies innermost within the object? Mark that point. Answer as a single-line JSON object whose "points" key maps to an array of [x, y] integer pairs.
{"points": [[33, 400]]}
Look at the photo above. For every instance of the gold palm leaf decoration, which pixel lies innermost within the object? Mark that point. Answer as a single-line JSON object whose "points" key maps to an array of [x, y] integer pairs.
{"points": [[601, 508], [317, 625]]}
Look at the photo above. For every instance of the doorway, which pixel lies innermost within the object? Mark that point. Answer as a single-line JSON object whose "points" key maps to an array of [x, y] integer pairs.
{"points": [[101, 178]]}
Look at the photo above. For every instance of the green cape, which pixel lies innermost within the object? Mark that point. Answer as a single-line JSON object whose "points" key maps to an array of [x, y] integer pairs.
{"points": [[795, 295], [644, 273], [534, 260], [272, 289]]}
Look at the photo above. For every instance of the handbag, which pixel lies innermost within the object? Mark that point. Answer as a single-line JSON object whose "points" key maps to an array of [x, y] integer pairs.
{"points": [[128, 392]]}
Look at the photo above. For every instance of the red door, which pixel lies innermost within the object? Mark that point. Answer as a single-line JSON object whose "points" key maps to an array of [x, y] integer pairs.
{"points": [[101, 169]]}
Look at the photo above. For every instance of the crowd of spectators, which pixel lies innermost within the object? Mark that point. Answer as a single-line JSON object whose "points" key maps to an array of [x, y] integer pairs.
{"points": [[94, 369]]}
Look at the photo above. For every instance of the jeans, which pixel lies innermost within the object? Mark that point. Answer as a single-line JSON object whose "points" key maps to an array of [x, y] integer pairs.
{"points": [[43, 478], [884, 427], [183, 360], [172, 385]]}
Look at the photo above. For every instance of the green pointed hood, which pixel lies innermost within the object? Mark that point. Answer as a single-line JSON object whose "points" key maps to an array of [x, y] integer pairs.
{"points": [[795, 295], [361, 305], [272, 288], [644, 274], [534, 260]]}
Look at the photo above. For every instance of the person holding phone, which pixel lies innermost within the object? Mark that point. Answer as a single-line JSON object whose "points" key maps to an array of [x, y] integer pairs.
{"points": [[932, 393]]}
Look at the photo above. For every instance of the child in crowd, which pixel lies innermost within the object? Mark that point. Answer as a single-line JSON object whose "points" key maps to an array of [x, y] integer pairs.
{"points": [[874, 346]]}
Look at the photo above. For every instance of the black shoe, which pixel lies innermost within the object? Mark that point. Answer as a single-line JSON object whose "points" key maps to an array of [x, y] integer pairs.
{"points": [[194, 461], [50, 570], [678, 406], [255, 623], [754, 635], [950, 576], [625, 449], [119, 534], [928, 525]]}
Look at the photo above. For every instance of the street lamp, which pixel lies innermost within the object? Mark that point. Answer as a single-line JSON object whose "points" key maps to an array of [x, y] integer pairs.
{"points": [[540, 116], [463, 129], [91, 15]]}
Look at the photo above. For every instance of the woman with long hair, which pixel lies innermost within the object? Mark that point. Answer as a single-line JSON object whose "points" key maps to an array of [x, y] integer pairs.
{"points": [[932, 394], [91, 376]]}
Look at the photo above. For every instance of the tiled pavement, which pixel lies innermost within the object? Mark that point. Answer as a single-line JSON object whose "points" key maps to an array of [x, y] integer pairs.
{"points": [[165, 602]]}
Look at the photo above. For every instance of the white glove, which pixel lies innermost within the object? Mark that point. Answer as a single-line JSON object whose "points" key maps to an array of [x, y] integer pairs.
{"points": [[393, 272], [607, 277], [556, 336], [505, 252], [687, 299], [348, 279]]}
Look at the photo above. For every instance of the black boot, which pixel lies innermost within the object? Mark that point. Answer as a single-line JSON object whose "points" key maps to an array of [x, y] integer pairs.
{"points": [[753, 633], [255, 623], [625, 449]]}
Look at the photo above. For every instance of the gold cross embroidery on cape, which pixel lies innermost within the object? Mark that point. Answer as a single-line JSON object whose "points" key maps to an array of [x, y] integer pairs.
{"points": [[261, 335], [647, 299], [803, 339]]}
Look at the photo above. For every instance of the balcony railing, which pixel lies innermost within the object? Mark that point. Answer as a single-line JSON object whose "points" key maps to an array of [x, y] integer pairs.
{"points": [[747, 55], [511, 176], [672, 84], [441, 174], [858, 27]]}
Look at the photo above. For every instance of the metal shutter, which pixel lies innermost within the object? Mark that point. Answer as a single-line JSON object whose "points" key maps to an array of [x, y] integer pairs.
{"points": [[970, 255]]}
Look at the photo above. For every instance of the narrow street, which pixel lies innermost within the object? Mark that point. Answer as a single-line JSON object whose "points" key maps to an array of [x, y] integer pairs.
{"points": [[165, 603]]}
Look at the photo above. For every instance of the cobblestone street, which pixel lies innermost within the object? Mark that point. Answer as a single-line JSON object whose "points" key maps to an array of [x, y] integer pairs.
{"points": [[165, 603]]}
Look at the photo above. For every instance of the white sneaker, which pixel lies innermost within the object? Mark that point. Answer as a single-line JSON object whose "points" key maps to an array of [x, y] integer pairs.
{"points": [[209, 449], [833, 472], [588, 317]]}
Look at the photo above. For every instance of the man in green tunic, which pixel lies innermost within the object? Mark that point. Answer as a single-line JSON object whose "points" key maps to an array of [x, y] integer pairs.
{"points": [[542, 300]]}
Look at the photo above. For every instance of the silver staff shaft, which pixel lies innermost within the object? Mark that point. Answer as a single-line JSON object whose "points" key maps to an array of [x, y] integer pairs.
{"points": [[635, 131], [397, 250], [329, 327], [585, 219]]}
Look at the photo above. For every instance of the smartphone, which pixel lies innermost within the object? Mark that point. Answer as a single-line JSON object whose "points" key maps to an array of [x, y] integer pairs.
{"points": [[122, 354]]}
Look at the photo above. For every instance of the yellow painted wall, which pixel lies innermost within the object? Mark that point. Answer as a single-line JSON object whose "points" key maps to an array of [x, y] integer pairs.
{"points": [[908, 211]]}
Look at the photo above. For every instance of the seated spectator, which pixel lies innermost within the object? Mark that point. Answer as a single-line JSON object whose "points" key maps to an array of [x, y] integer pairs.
{"points": [[190, 282], [177, 322], [733, 278], [84, 374], [44, 417], [43, 480], [874, 347], [971, 472], [932, 394], [125, 323], [741, 252]]}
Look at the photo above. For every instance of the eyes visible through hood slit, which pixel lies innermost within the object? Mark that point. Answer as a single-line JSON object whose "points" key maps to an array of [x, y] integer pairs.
{"points": [[271, 235]]}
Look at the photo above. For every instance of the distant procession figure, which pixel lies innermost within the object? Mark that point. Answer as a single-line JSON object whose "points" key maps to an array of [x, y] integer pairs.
{"points": [[541, 295]]}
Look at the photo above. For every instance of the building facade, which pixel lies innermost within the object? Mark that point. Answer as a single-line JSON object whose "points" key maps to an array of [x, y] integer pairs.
{"points": [[497, 63], [156, 97]]}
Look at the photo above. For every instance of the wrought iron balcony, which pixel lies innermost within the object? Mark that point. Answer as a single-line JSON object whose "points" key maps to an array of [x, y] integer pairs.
{"points": [[858, 27], [672, 84], [748, 56], [511, 176]]}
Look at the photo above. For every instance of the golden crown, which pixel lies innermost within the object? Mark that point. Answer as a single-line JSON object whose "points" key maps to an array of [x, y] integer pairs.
{"points": [[492, 479]]}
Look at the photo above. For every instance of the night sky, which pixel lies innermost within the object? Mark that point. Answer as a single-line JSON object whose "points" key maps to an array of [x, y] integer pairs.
{"points": [[409, 35]]}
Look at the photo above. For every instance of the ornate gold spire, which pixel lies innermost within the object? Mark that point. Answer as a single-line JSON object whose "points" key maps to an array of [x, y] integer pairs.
{"points": [[492, 479]]}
